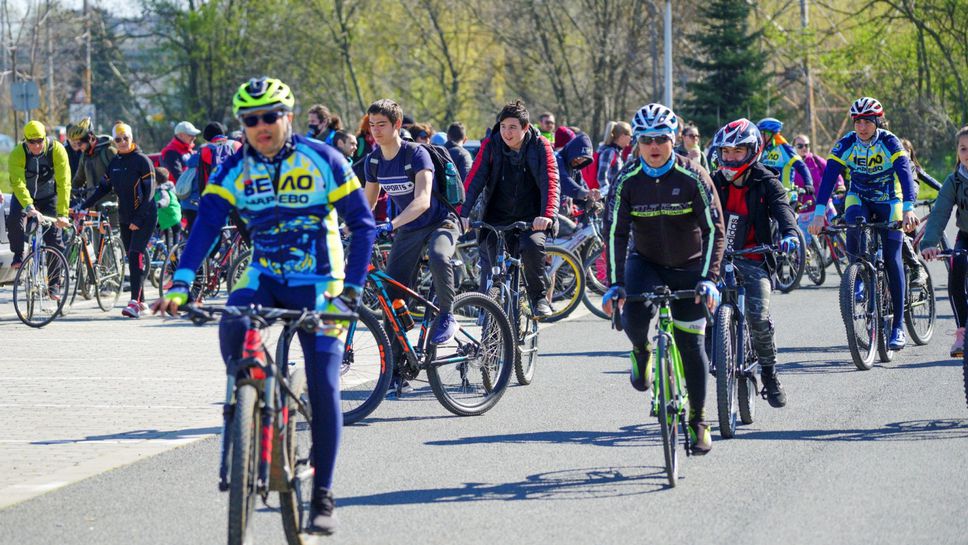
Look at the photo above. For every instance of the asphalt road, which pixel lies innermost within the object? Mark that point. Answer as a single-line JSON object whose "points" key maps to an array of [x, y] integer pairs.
{"points": [[855, 457]]}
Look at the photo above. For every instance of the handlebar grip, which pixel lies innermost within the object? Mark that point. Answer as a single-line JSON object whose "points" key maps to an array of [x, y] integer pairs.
{"points": [[616, 318]]}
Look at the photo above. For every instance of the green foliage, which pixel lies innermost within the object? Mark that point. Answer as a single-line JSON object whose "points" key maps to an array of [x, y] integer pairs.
{"points": [[5, 174], [730, 82]]}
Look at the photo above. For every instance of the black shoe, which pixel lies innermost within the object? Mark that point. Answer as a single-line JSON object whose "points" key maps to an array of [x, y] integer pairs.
{"points": [[542, 308], [322, 513], [919, 276], [772, 389]]}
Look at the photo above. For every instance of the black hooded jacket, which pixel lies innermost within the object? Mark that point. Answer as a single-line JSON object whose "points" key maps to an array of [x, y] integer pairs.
{"points": [[571, 181]]}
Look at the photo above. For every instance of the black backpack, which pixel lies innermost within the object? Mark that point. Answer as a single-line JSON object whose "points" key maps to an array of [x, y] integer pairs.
{"points": [[448, 188]]}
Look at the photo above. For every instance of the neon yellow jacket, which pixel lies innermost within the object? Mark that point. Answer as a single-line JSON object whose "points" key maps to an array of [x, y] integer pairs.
{"points": [[25, 178]]}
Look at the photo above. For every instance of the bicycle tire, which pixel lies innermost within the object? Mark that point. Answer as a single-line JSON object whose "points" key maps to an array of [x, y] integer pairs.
{"points": [[38, 300], [920, 323], [370, 380], [668, 424], [465, 398], [567, 282], [592, 305], [593, 258], [724, 358], [964, 373], [109, 275], [815, 267], [294, 496], [838, 253], [247, 424], [862, 348], [237, 269], [885, 310], [789, 270]]}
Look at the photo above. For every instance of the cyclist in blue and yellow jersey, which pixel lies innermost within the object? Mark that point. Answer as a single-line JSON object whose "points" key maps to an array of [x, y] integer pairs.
{"points": [[779, 155], [881, 189], [288, 190], [664, 225]]}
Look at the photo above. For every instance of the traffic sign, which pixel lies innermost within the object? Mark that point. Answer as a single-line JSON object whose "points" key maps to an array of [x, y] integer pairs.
{"points": [[25, 96]]}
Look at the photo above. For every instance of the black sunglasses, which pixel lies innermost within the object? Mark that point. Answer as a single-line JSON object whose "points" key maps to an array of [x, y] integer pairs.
{"points": [[268, 118], [120, 139], [35, 141], [802, 145], [661, 139]]}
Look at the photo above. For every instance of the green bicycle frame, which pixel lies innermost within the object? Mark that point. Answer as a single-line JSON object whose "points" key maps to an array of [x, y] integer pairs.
{"points": [[666, 345]]}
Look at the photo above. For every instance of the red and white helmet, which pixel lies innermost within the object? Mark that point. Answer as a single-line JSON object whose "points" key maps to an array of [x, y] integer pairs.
{"points": [[739, 133], [866, 107]]}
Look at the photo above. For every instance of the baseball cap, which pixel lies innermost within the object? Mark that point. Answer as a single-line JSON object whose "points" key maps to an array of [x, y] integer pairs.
{"points": [[186, 127]]}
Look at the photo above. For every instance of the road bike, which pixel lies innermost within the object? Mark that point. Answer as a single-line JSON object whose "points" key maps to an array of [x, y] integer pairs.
{"points": [[669, 395], [222, 264], [468, 374], [733, 358], [42, 283], [99, 268], [266, 439]]}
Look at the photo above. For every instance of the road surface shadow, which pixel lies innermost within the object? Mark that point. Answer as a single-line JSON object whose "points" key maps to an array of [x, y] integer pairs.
{"points": [[808, 367], [598, 354], [569, 484], [637, 435], [947, 362], [135, 435], [813, 349], [911, 430]]}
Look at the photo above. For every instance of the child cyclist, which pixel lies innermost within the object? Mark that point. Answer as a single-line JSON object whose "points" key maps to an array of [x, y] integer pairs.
{"points": [[954, 191]]}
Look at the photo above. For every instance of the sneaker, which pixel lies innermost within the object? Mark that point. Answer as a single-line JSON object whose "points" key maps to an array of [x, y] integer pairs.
{"points": [[702, 439], [542, 309], [322, 513], [898, 340], [445, 327], [919, 276], [403, 386], [772, 389], [133, 310], [142, 306], [958, 348], [641, 373]]}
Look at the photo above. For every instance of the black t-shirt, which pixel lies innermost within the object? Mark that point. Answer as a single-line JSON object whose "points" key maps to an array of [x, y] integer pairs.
{"points": [[516, 197]]}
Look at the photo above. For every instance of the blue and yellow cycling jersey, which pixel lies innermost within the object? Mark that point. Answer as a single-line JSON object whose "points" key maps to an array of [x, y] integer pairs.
{"points": [[878, 171], [782, 159], [289, 206]]}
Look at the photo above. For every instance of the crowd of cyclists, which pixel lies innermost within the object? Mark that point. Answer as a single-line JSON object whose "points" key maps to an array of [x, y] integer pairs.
{"points": [[671, 213]]}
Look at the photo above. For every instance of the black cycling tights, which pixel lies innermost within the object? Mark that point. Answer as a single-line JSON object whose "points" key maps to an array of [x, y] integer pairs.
{"points": [[956, 281], [642, 277]]}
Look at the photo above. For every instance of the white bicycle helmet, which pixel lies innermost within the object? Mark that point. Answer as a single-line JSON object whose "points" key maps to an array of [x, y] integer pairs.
{"points": [[654, 120], [866, 107]]}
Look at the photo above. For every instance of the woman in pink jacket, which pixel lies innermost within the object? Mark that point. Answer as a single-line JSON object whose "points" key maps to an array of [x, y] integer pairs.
{"points": [[815, 164]]}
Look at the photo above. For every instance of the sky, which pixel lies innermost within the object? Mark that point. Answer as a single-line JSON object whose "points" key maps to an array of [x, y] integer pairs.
{"points": [[117, 7]]}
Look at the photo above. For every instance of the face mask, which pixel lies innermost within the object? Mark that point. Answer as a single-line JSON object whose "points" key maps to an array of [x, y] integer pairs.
{"points": [[314, 129]]}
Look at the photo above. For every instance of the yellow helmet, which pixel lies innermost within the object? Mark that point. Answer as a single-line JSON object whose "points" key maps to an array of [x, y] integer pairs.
{"points": [[35, 130], [262, 94], [80, 129]]}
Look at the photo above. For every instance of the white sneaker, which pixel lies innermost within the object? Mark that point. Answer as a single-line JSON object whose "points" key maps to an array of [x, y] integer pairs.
{"points": [[133, 310]]}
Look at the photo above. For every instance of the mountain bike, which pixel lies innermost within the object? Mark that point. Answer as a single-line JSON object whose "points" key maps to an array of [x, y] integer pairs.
{"points": [[733, 357], [506, 285], [42, 283], [468, 374], [865, 297], [789, 265], [669, 395], [100, 267]]}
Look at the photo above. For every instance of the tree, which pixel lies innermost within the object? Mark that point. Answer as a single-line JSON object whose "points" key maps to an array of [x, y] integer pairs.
{"points": [[731, 82]]}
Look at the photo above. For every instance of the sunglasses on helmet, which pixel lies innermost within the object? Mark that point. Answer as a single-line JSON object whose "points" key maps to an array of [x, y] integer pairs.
{"points": [[267, 117]]}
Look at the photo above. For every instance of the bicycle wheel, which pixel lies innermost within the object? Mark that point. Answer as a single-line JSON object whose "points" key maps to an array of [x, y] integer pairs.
{"points": [[885, 309], [920, 313], [237, 269], [156, 262], [41, 286], [838, 253], [75, 266], [668, 416], [790, 266], [526, 349], [109, 274], [724, 358], [596, 275], [484, 352], [858, 310], [964, 372], [815, 267], [595, 278], [367, 367], [566, 282], [168, 273], [294, 496], [246, 431]]}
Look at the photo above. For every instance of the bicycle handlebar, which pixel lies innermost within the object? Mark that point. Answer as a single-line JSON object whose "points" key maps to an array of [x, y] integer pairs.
{"points": [[304, 319], [516, 226], [760, 249]]}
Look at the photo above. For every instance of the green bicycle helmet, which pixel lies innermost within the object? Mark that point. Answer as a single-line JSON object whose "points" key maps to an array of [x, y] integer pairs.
{"points": [[262, 94]]}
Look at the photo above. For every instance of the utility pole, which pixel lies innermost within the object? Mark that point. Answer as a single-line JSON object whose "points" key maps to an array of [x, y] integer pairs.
{"points": [[811, 115], [50, 69], [16, 124], [667, 74], [87, 52]]}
